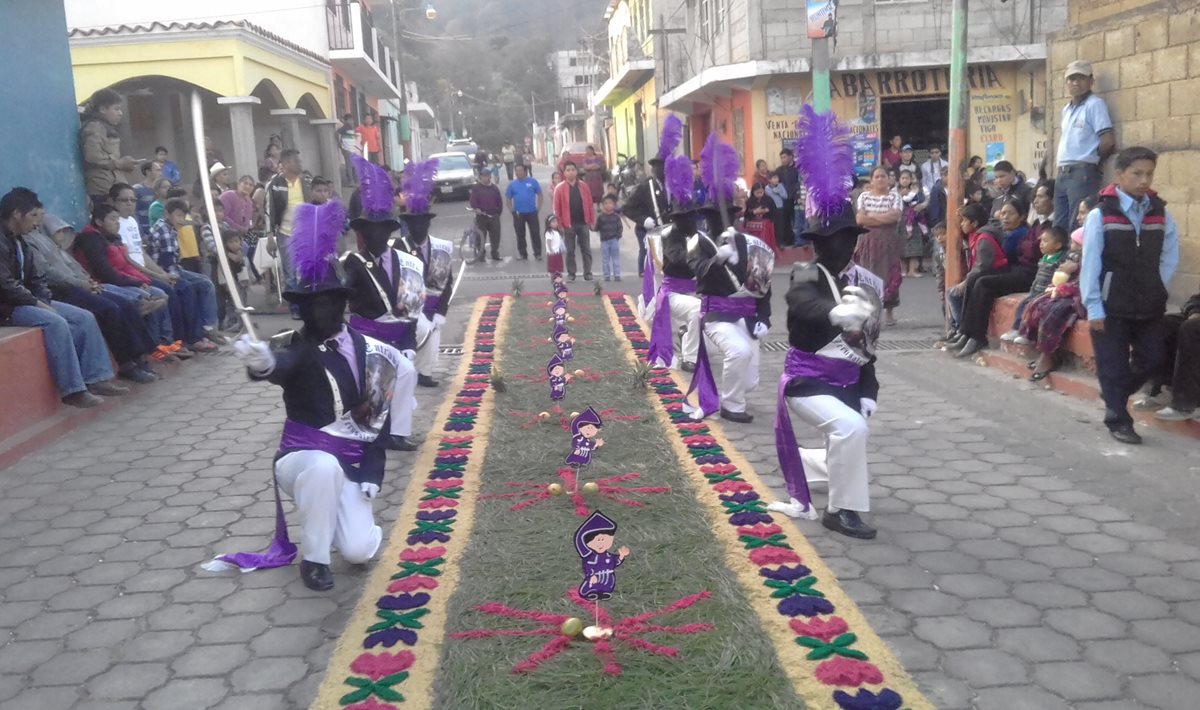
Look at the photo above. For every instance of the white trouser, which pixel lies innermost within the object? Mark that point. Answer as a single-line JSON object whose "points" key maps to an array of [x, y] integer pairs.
{"points": [[685, 312], [427, 356], [404, 399], [739, 353], [333, 509], [843, 462]]}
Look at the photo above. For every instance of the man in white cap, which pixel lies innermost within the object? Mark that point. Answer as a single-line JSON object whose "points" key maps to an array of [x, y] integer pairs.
{"points": [[1086, 141]]}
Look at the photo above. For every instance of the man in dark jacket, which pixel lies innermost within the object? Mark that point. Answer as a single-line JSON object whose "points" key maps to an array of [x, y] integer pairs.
{"points": [[1181, 370], [288, 190], [75, 349], [648, 206]]}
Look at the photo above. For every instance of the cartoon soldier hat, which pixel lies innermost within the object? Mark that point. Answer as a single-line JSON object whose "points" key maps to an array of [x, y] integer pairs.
{"points": [[587, 416], [595, 524], [555, 361]]}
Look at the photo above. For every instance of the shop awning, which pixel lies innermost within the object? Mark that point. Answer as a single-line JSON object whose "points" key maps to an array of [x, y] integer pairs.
{"points": [[627, 81]]}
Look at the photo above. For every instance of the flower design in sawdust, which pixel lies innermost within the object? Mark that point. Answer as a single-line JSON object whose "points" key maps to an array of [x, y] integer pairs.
{"points": [[627, 632], [534, 492], [563, 418]]}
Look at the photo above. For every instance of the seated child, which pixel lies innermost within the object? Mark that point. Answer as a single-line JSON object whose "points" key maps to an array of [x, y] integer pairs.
{"points": [[984, 256], [1049, 315], [1054, 244]]}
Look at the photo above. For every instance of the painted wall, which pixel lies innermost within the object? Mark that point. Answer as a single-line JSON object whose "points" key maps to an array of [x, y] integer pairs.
{"points": [[302, 23], [40, 142]]}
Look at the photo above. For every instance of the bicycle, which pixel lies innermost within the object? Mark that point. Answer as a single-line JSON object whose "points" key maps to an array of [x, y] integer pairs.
{"points": [[471, 248]]}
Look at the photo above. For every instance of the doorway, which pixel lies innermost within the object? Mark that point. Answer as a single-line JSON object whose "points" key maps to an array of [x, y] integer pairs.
{"points": [[920, 121]]}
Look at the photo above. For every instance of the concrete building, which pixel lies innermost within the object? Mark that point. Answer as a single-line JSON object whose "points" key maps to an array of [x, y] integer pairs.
{"points": [[630, 90], [40, 142], [742, 68], [273, 67], [579, 73], [1146, 59]]}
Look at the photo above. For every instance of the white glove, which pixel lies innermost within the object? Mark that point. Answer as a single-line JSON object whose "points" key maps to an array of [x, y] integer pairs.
{"points": [[369, 490], [867, 406], [255, 353], [853, 311], [760, 329], [727, 252], [649, 223], [410, 354], [438, 321]]}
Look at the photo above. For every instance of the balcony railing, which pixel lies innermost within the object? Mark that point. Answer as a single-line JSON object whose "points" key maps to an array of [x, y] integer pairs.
{"points": [[338, 24]]}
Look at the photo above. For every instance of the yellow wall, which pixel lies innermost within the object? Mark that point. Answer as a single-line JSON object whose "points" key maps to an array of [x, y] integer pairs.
{"points": [[625, 120], [227, 67], [995, 112]]}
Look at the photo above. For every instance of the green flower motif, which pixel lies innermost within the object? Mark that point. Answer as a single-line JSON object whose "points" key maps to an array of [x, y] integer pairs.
{"points": [[431, 526], [750, 506], [839, 646], [776, 540], [391, 619], [429, 568], [381, 688], [792, 589], [431, 493], [719, 477]]}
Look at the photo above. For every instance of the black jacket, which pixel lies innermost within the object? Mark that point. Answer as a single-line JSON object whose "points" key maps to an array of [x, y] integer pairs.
{"points": [[277, 198], [675, 254], [308, 399], [639, 205], [365, 300], [716, 279], [809, 301], [20, 285]]}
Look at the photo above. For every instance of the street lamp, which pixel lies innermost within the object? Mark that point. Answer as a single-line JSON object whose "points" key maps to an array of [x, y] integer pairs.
{"points": [[430, 14]]}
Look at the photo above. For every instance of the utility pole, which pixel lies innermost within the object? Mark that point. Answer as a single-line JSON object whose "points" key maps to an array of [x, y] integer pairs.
{"points": [[405, 133], [820, 75], [959, 98], [666, 49]]}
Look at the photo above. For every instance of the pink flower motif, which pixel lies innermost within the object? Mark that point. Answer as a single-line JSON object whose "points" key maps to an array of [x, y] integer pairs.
{"points": [[437, 503], [462, 439], [764, 556], [422, 554], [760, 530], [376, 666], [824, 629], [370, 704], [442, 484], [412, 584], [721, 468], [733, 487], [848, 672]]}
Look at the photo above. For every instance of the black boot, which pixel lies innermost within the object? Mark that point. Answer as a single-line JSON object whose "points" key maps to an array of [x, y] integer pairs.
{"points": [[316, 576], [426, 381], [848, 523], [400, 443], [969, 348], [739, 417]]}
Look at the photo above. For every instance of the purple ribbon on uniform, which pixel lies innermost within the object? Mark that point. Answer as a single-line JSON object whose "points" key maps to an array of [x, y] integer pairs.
{"points": [[709, 398], [839, 373], [647, 279], [296, 436], [662, 336], [390, 333]]}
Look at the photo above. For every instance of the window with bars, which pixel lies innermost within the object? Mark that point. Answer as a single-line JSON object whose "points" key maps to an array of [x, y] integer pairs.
{"points": [[705, 12]]}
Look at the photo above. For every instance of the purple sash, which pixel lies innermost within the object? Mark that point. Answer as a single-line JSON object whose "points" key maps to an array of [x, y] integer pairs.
{"points": [[648, 279], [432, 303], [390, 333], [839, 373], [702, 378], [662, 335], [296, 436]]}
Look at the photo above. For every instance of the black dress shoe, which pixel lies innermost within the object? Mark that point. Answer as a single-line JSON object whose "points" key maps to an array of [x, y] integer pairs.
{"points": [[969, 348], [316, 576], [570, 277], [1126, 435], [426, 381], [958, 341], [400, 443], [739, 417], [848, 523], [587, 277], [688, 366]]}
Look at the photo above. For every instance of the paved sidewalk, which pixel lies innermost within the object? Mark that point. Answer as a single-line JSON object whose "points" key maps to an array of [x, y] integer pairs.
{"points": [[1012, 569], [102, 536]]}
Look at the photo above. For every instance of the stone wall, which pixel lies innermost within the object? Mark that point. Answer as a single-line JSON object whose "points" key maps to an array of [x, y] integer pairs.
{"points": [[1146, 58]]}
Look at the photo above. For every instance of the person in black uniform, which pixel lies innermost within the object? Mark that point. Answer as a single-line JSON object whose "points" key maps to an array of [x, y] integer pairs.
{"points": [[648, 206]]}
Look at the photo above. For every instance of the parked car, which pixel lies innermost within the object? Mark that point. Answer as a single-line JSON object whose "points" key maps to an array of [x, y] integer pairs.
{"points": [[454, 177], [576, 152], [463, 145]]}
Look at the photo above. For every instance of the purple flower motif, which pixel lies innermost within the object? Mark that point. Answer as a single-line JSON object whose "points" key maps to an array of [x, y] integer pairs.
{"points": [[785, 573], [800, 605], [712, 459], [390, 637], [740, 497], [427, 537], [436, 514], [864, 699], [450, 459], [403, 601], [740, 519]]}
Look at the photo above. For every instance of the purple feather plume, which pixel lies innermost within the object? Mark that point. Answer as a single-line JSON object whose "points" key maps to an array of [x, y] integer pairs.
{"points": [[672, 136], [417, 185], [313, 241], [718, 169], [678, 174], [374, 186], [825, 159]]}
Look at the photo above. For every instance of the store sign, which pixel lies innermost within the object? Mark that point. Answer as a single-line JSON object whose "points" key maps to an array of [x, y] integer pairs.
{"points": [[900, 83]]}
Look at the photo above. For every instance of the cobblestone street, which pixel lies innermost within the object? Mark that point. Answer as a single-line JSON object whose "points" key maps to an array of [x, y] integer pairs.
{"points": [[1024, 560]]}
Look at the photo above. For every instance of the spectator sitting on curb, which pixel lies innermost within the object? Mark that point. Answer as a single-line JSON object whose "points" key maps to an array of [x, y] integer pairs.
{"points": [[1181, 371], [1047, 318], [984, 257], [166, 249]]}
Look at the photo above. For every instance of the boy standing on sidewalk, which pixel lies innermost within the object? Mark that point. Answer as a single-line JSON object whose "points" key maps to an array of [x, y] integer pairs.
{"points": [[609, 224], [1130, 251]]}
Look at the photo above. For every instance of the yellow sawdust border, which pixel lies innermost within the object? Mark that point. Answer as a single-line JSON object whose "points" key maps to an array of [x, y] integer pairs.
{"points": [[799, 669], [417, 689]]}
